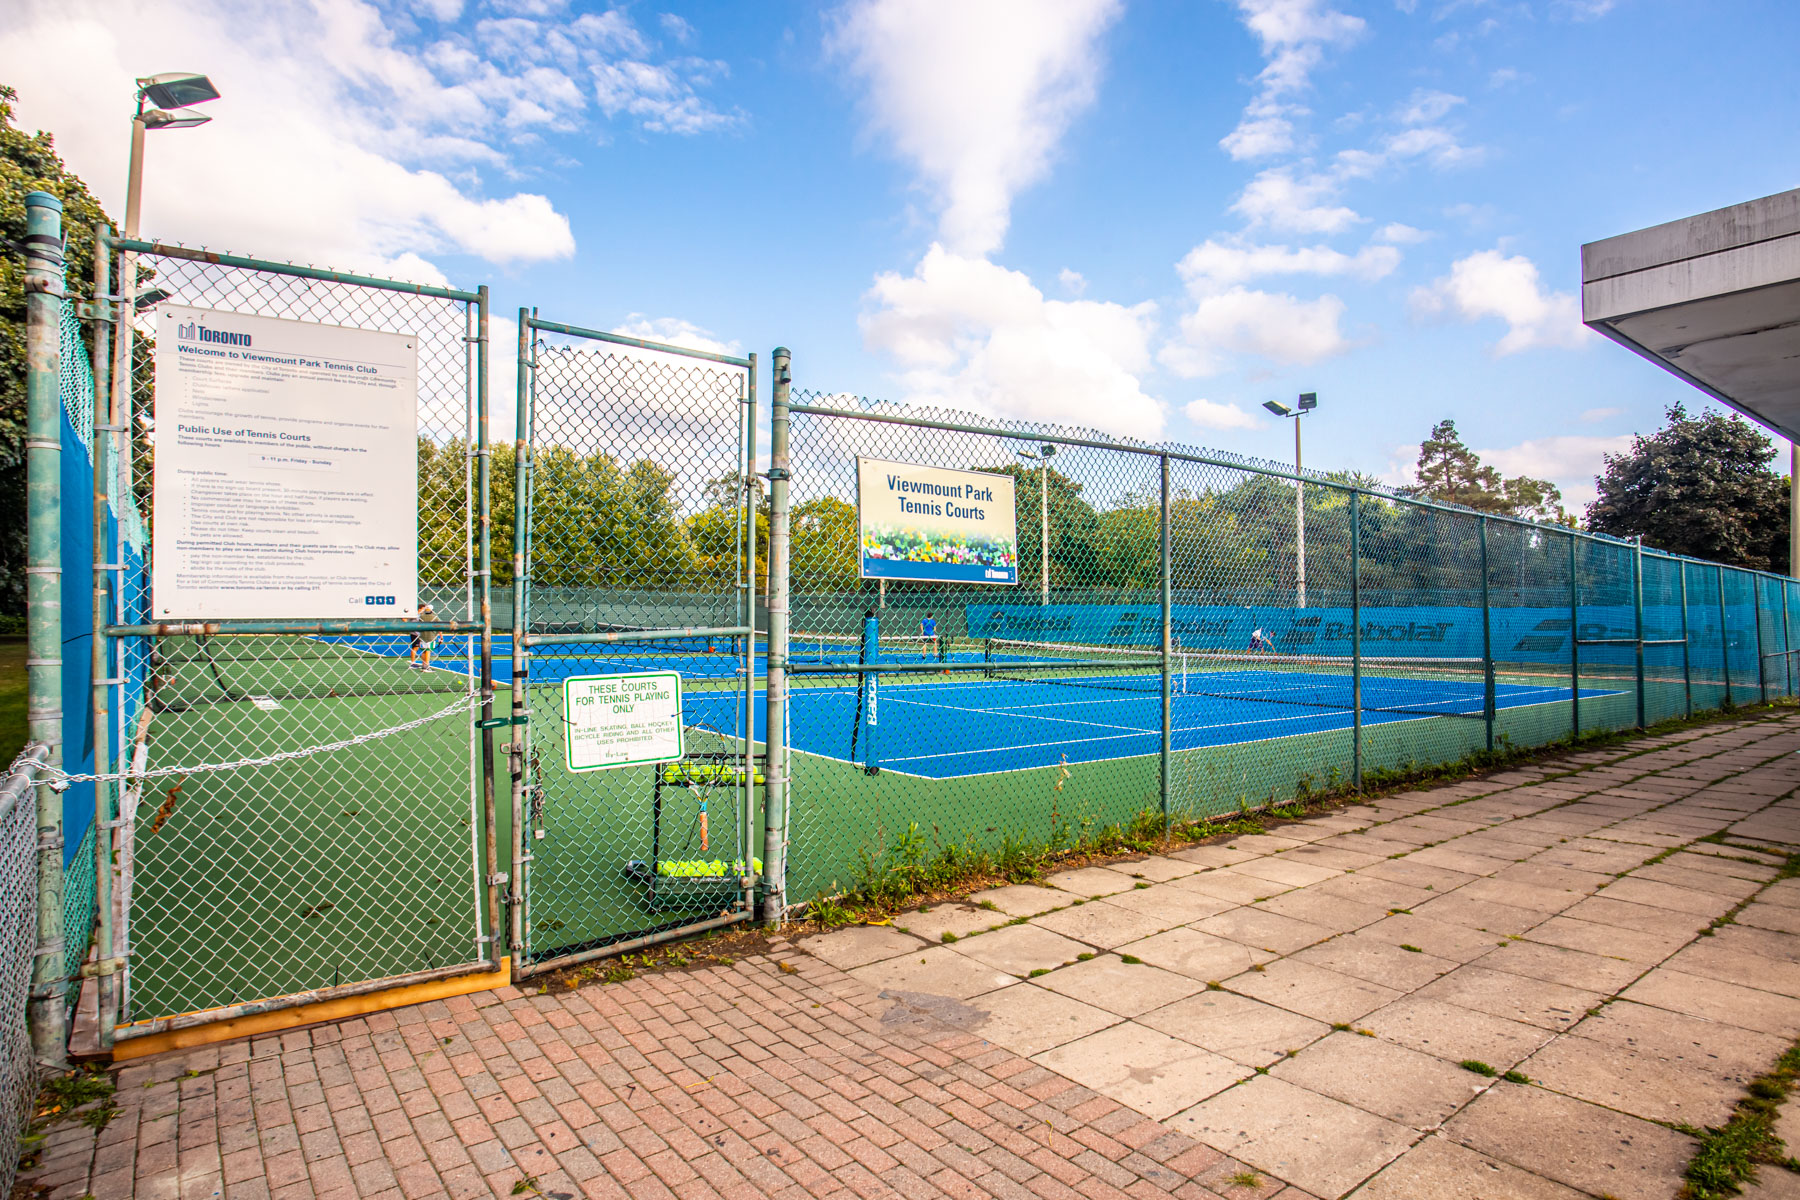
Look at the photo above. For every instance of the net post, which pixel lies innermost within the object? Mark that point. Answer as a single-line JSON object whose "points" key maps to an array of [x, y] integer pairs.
{"points": [[747, 595], [1687, 668], [1487, 642], [1762, 675], [43, 581], [1637, 607], [99, 645], [1356, 722], [775, 832], [520, 666], [1574, 637], [1724, 641], [1168, 700], [485, 514]]}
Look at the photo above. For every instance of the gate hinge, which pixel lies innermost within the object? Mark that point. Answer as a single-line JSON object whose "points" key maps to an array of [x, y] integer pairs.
{"points": [[503, 722], [93, 310], [497, 878], [775, 473], [106, 966]]}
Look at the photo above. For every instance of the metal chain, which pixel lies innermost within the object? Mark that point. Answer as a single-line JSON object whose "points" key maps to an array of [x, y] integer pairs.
{"points": [[58, 778]]}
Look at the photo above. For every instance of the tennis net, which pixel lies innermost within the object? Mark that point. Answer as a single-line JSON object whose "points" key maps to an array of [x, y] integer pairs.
{"points": [[189, 672], [1076, 664], [832, 648], [1441, 687]]}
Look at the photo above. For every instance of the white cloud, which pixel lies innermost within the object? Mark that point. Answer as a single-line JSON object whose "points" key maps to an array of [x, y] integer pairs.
{"points": [[1073, 282], [677, 27], [1277, 199], [361, 141], [1208, 415], [1488, 284], [1426, 106], [1294, 35], [1272, 325], [1570, 462], [1401, 235], [1212, 265], [976, 96], [1594, 416], [967, 333]]}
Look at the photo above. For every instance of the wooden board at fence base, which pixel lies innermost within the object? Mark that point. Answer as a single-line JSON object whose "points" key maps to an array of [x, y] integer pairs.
{"points": [[622, 720]]}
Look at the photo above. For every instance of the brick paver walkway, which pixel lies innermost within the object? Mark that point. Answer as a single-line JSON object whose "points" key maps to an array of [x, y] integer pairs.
{"points": [[1283, 1015]]}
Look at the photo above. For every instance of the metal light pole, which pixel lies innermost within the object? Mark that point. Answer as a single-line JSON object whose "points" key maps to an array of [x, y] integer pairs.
{"points": [[170, 90], [1042, 458], [1308, 402]]}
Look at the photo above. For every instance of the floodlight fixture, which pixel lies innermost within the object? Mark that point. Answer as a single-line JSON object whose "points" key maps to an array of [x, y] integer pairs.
{"points": [[1278, 408], [176, 89], [1309, 401], [149, 299], [156, 118]]}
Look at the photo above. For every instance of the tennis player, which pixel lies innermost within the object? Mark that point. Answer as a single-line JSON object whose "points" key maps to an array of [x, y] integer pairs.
{"points": [[1260, 641], [928, 630], [421, 642]]}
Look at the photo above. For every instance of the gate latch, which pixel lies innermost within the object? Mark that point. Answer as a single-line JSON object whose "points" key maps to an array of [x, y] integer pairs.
{"points": [[503, 722]]}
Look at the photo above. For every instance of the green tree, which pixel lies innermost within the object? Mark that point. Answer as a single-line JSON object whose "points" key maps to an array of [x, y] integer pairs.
{"points": [[29, 163], [1700, 485], [1450, 472]]}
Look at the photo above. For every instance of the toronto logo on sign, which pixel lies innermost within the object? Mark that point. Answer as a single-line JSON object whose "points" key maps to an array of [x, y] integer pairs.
{"points": [[193, 331]]}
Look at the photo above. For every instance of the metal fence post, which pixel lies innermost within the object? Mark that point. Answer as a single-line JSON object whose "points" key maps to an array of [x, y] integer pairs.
{"points": [[1574, 638], [1487, 642], [1637, 606], [43, 582], [1724, 641], [1762, 674], [1168, 698], [484, 463], [1687, 668], [1356, 709], [521, 666], [747, 594], [1787, 641], [775, 816], [100, 654]]}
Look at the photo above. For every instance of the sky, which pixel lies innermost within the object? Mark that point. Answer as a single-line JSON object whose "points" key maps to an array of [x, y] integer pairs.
{"points": [[1142, 218]]}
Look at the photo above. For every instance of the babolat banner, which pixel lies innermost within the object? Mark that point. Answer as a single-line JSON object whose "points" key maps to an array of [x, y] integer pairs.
{"points": [[1445, 631], [935, 524]]}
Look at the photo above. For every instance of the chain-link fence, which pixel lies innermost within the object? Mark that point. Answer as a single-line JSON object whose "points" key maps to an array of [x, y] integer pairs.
{"points": [[637, 531], [18, 941], [267, 870], [1192, 633]]}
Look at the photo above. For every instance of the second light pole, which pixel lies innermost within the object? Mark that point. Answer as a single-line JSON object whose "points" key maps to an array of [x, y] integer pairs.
{"points": [[1042, 457], [1308, 401]]}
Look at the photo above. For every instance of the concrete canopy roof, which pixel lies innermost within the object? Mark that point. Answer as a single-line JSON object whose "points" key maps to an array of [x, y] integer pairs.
{"points": [[1714, 299]]}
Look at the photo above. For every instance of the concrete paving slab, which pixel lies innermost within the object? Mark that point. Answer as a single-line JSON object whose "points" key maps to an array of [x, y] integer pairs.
{"points": [[1197, 955], [1263, 930], [1175, 905], [1228, 884], [1555, 964], [1549, 875], [1311, 991], [1572, 1142], [1217, 855], [1765, 942], [1333, 856], [1021, 949], [1439, 938], [1374, 890], [1712, 958], [1538, 1002], [1730, 1003], [1294, 873], [1636, 890], [1103, 924], [1021, 900], [1158, 868], [1515, 893], [1636, 1082], [1485, 915], [1377, 961], [1244, 1030], [1090, 881], [1322, 1145], [1461, 860], [1324, 910], [1127, 989], [1454, 1033], [954, 919], [1147, 1071], [1383, 1078], [1029, 1020], [1778, 917], [860, 945], [1595, 938], [1263, 844], [1440, 1169], [1639, 918], [939, 971]]}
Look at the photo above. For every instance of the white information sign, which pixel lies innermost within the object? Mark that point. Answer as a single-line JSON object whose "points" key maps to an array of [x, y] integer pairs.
{"points": [[286, 469], [622, 720]]}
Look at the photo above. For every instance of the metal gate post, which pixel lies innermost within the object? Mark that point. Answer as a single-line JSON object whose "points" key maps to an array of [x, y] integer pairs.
{"points": [[43, 583], [1762, 674], [747, 596], [1168, 701], [521, 666], [1637, 604], [1787, 641], [1356, 722], [106, 963], [1487, 642], [484, 462], [1574, 639], [1687, 669], [1724, 640], [775, 816]]}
